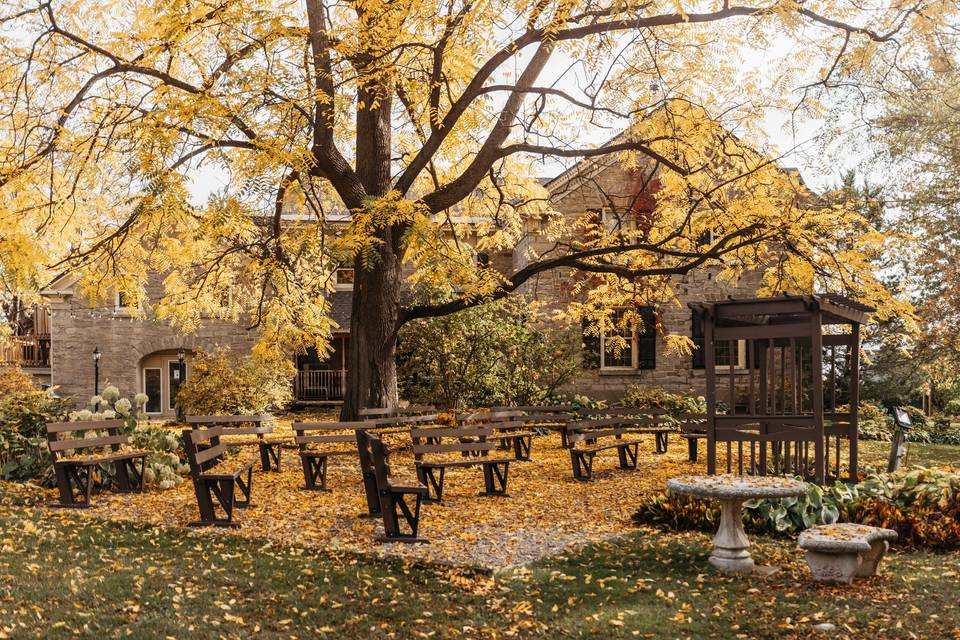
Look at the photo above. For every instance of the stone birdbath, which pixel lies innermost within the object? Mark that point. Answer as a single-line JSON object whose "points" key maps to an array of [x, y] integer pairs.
{"points": [[731, 547]]}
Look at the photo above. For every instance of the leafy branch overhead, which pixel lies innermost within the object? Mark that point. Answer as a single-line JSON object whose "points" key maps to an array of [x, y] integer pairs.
{"points": [[412, 133]]}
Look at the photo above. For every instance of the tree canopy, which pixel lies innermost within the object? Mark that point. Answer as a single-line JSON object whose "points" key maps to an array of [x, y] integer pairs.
{"points": [[388, 123]]}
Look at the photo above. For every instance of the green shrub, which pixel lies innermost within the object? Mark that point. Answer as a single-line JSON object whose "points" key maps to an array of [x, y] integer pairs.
{"points": [[944, 431], [919, 418], [874, 423], [953, 407], [165, 468], [496, 353], [23, 444], [674, 404], [224, 383]]}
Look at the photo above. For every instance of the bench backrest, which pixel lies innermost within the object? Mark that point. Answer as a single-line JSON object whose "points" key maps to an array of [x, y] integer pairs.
{"points": [[491, 416], [374, 422], [307, 433], [596, 429], [203, 448], [378, 460], [237, 425], [74, 439], [692, 423], [545, 414], [387, 412], [470, 439], [610, 412]]}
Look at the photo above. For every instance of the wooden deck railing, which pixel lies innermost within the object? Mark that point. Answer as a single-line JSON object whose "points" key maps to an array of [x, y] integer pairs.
{"points": [[319, 384], [26, 351]]}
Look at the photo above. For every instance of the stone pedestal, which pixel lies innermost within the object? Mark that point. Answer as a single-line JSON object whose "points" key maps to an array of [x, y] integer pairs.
{"points": [[731, 547]]}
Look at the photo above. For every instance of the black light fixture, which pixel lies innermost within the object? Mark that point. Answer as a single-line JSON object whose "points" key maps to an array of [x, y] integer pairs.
{"points": [[96, 370], [182, 371]]}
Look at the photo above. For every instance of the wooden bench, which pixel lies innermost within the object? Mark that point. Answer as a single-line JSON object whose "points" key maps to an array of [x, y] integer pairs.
{"points": [[216, 478], [379, 413], [552, 417], [252, 425], [693, 427], [473, 443], [511, 429], [839, 552], [589, 433], [313, 461], [74, 473], [393, 495], [650, 420]]}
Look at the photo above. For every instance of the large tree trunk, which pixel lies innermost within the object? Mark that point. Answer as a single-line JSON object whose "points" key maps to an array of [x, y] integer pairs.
{"points": [[371, 354], [374, 317]]}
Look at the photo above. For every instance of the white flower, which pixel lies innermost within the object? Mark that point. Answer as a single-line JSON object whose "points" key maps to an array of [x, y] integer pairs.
{"points": [[111, 393], [122, 406]]}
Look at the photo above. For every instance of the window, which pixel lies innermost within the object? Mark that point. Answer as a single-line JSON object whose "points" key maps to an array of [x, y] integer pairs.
{"points": [[633, 346], [728, 351], [343, 278], [696, 334], [122, 301]]}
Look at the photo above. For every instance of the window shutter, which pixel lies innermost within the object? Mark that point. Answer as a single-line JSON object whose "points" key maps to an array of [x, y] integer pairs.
{"points": [[591, 346], [696, 334], [647, 339]]}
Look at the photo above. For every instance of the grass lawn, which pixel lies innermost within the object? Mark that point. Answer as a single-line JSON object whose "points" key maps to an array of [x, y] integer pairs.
{"points": [[875, 454], [63, 576], [67, 575]]}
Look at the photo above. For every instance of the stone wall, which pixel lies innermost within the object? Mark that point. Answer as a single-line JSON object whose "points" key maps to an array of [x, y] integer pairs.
{"points": [[605, 184], [123, 341]]}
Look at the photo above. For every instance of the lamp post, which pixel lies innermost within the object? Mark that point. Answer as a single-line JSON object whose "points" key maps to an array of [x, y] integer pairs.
{"points": [[182, 375], [96, 371]]}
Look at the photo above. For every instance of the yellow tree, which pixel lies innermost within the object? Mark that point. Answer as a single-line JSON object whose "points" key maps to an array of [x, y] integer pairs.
{"points": [[381, 118]]}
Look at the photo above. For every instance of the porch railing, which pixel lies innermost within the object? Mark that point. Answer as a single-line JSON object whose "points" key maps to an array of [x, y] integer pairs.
{"points": [[319, 384], [26, 351]]}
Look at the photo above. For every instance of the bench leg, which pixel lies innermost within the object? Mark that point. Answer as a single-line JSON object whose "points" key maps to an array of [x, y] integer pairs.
{"points": [[691, 449], [628, 456], [395, 506], [495, 478], [582, 465], [270, 455], [521, 447], [314, 470], [433, 480], [211, 493], [661, 437], [66, 479], [129, 478], [564, 440], [244, 486]]}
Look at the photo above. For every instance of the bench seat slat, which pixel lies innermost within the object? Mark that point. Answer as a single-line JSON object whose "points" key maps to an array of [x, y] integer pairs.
{"points": [[453, 447], [228, 419], [602, 447], [114, 457], [329, 438]]}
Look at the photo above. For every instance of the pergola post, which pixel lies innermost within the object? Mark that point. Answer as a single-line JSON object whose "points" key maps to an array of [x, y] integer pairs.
{"points": [[816, 347], [710, 366], [854, 398]]}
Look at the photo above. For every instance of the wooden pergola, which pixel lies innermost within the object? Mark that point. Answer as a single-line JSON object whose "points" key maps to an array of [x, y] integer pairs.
{"points": [[795, 393]]}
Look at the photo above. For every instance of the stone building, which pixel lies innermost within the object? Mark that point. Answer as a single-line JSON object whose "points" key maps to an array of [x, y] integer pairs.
{"points": [[142, 355]]}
